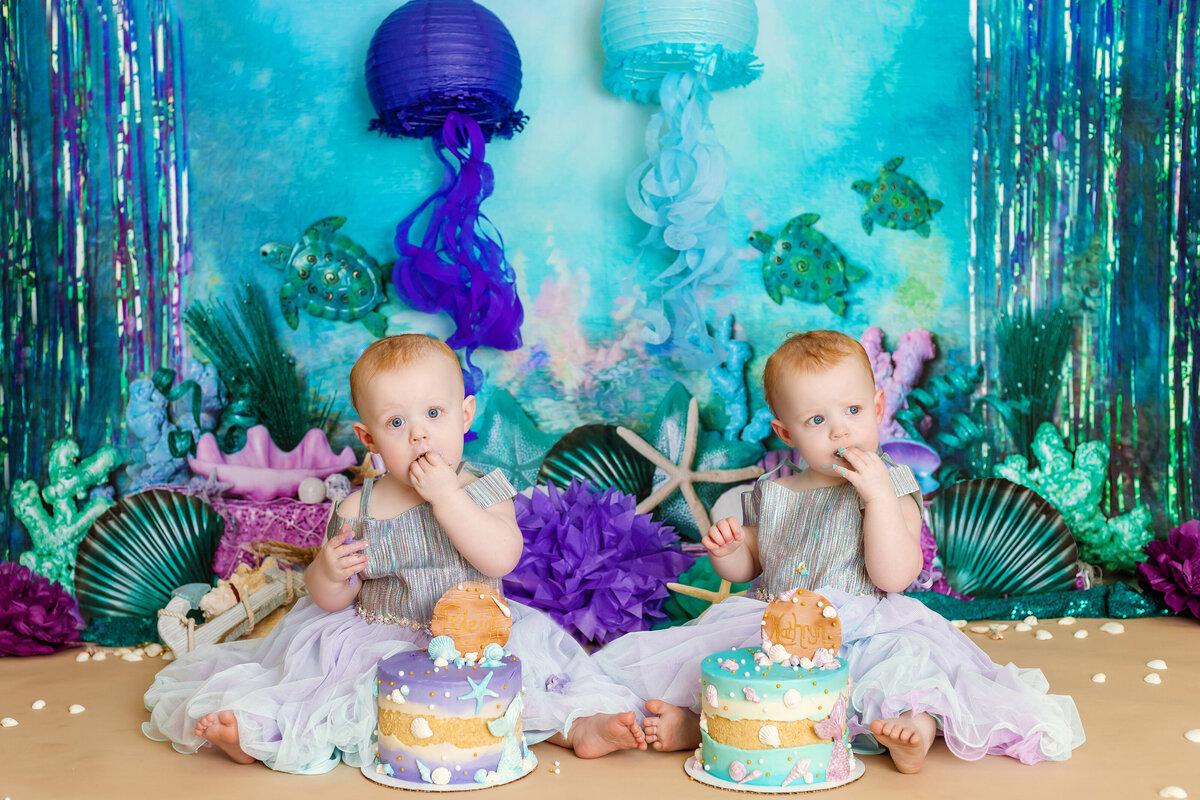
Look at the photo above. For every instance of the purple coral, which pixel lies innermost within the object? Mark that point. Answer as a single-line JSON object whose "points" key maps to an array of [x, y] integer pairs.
{"points": [[1172, 568], [592, 562], [37, 615], [897, 372]]}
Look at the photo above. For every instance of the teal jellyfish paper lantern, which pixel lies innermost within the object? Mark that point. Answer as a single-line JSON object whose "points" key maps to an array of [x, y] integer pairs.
{"points": [[676, 52]]}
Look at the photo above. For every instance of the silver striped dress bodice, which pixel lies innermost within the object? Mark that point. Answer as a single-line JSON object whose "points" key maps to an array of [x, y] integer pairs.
{"points": [[411, 561], [814, 538]]}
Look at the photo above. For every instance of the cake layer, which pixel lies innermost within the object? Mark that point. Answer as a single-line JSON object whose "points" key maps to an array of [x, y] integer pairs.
{"points": [[733, 686], [463, 764], [806, 765], [410, 683]]}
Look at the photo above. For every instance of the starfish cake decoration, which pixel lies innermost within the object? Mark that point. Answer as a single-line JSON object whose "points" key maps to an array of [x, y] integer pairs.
{"points": [[680, 473], [360, 472], [479, 692]]}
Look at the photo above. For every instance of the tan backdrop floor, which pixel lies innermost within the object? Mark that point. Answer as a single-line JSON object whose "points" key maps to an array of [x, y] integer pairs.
{"points": [[1135, 748]]}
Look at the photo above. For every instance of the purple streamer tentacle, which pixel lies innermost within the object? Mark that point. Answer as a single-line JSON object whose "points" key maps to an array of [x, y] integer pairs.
{"points": [[459, 267]]}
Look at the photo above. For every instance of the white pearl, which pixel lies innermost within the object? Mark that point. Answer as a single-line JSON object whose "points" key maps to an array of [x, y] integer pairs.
{"points": [[311, 490]]}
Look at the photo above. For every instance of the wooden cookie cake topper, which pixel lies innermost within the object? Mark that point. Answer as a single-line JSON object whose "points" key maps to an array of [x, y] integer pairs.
{"points": [[474, 615], [802, 621]]}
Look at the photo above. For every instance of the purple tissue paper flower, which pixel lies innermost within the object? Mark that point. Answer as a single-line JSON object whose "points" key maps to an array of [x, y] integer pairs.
{"points": [[592, 562], [37, 615], [1173, 568]]}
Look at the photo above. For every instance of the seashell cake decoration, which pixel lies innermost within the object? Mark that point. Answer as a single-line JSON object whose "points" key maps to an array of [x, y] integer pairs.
{"points": [[802, 622], [474, 615]]}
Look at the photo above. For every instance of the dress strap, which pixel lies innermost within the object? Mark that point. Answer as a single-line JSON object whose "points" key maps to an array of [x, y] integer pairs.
{"points": [[364, 502]]}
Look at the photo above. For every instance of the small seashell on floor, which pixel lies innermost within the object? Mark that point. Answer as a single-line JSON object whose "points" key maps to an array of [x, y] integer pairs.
{"points": [[38, 705], [99, 655], [1081, 634], [1043, 634], [1067, 621], [154, 649], [75, 708], [959, 623], [1172, 791], [980, 629], [1156, 663], [8, 722], [1153, 677], [1112, 627], [132, 657], [1030, 620], [995, 633], [998, 626], [168, 656], [82, 656], [1099, 677], [1021, 627], [1193, 735]]}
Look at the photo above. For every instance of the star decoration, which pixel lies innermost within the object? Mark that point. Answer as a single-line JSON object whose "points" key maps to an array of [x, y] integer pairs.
{"points": [[680, 474], [479, 691], [509, 441], [803, 570], [707, 595], [360, 472]]}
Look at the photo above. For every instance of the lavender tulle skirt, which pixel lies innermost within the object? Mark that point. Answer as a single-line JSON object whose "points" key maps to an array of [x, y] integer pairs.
{"points": [[902, 657], [304, 697]]}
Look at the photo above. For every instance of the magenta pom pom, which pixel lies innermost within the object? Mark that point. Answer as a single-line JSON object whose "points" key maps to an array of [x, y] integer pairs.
{"points": [[1172, 568], [37, 615]]}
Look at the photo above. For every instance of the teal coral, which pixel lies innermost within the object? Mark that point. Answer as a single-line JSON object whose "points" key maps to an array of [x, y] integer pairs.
{"points": [[1073, 484], [56, 534]]}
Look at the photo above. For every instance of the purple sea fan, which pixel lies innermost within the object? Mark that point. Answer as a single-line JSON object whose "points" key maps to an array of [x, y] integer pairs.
{"points": [[1172, 568], [592, 562], [37, 615]]}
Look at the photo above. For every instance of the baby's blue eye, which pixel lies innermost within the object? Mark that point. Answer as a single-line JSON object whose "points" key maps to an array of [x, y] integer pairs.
{"points": [[434, 413], [396, 422], [853, 410], [817, 420]]}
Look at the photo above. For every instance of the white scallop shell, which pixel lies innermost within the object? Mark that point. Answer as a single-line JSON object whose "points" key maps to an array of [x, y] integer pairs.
{"points": [[1153, 677], [829, 612], [769, 735], [1156, 663], [778, 653], [792, 698], [1043, 634], [710, 695], [1193, 735], [1099, 677], [420, 728], [1172, 791], [1112, 627], [440, 776]]}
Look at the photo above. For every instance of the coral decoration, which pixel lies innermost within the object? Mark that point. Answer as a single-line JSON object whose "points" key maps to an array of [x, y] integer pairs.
{"points": [[37, 616], [1073, 483], [261, 470], [729, 383], [592, 561], [896, 373], [1172, 568], [56, 534], [163, 441]]}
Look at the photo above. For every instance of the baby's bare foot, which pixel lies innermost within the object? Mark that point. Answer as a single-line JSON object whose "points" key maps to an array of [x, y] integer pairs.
{"points": [[601, 734], [222, 730], [907, 739], [670, 727]]}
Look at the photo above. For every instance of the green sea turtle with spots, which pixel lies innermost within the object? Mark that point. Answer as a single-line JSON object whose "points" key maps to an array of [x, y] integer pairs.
{"points": [[894, 200], [802, 263], [329, 276]]}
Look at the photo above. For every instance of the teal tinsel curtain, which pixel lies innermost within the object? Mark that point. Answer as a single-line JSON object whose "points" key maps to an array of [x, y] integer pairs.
{"points": [[93, 173], [1087, 196]]}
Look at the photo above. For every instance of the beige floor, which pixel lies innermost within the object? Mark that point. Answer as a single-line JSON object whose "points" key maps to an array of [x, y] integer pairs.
{"points": [[1135, 731]]}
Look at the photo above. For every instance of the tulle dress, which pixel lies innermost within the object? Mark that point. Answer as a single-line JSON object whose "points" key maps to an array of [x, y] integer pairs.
{"points": [[902, 655], [303, 695]]}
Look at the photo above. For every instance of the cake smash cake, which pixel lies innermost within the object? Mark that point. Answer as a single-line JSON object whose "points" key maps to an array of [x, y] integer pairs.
{"points": [[450, 715], [773, 719]]}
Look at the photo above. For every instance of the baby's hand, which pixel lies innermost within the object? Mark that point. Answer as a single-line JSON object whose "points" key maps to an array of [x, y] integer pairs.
{"points": [[723, 538], [433, 477], [867, 473], [342, 556]]}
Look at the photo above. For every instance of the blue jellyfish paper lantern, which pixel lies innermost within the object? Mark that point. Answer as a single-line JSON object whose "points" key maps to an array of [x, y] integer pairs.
{"points": [[675, 52], [450, 70]]}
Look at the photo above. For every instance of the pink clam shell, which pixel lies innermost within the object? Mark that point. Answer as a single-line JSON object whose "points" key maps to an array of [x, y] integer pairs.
{"points": [[261, 471]]}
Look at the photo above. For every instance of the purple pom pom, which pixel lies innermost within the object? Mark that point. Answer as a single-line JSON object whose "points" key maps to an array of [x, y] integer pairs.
{"points": [[37, 615], [592, 562], [1172, 568]]}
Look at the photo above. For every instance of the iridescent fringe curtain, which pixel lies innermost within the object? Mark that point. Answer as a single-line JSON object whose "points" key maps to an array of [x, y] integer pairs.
{"points": [[94, 178], [1087, 194]]}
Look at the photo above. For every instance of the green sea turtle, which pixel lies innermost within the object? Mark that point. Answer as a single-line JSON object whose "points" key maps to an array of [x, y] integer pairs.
{"points": [[803, 263], [329, 276], [896, 201]]}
